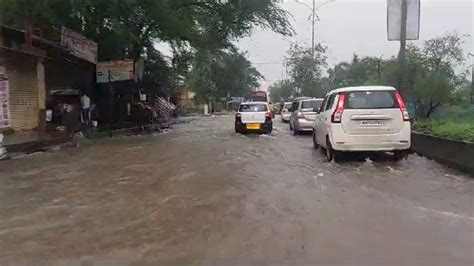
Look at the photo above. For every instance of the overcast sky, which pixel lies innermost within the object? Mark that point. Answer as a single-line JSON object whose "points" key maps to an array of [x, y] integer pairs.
{"points": [[353, 26]]}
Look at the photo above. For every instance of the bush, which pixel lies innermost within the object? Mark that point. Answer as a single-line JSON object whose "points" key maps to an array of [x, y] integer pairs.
{"points": [[447, 129]]}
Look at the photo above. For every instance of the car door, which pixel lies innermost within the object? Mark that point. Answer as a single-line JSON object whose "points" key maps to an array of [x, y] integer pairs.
{"points": [[325, 118], [294, 113], [319, 119]]}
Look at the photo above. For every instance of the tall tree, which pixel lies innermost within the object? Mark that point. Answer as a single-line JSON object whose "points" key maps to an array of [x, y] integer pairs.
{"points": [[306, 69]]}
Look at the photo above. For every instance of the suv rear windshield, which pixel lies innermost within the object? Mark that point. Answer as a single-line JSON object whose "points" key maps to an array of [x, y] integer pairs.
{"points": [[370, 100], [287, 106], [311, 104], [253, 108]]}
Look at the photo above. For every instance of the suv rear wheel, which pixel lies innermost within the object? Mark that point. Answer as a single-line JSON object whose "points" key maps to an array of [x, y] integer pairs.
{"points": [[332, 154], [315, 141]]}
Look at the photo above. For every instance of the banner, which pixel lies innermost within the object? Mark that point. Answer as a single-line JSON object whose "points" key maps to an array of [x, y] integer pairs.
{"points": [[79, 45], [119, 70], [394, 19], [4, 105]]}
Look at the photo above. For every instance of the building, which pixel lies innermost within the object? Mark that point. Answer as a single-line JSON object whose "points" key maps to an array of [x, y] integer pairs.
{"points": [[40, 74]]}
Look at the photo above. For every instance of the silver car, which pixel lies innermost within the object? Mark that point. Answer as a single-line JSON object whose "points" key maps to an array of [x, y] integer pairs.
{"points": [[285, 112], [303, 114]]}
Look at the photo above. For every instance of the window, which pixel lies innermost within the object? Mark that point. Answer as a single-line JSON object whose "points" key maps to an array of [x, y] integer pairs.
{"points": [[287, 106], [330, 102], [321, 108], [370, 100], [295, 106], [311, 104], [244, 108]]}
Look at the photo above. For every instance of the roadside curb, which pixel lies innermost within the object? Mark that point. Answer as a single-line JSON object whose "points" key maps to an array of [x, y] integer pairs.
{"points": [[453, 153]]}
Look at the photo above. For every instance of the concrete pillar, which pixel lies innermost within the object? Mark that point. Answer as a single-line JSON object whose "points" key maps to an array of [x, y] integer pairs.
{"points": [[41, 97], [3, 151]]}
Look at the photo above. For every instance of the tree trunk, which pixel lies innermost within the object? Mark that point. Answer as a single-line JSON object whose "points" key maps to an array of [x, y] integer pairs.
{"points": [[432, 109]]}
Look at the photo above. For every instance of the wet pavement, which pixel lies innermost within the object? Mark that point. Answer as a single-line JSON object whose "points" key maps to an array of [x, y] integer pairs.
{"points": [[203, 195]]}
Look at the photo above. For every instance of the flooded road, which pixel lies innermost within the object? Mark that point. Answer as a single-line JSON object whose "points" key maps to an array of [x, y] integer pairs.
{"points": [[203, 195]]}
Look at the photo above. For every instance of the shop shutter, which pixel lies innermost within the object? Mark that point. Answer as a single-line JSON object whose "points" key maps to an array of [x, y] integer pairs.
{"points": [[21, 71]]}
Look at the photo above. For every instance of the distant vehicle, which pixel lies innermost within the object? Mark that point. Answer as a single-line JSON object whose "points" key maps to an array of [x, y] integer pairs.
{"points": [[254, 117], [285, 113], [278, 108], [258, 96], [303, 112], [369, 118]]}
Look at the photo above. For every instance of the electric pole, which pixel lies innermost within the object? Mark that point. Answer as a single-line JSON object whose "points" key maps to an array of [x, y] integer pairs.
{"points": [[403, 41], [313, 15]]}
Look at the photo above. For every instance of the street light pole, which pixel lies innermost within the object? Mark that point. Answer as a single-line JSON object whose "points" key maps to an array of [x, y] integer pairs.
{"points": [[403, 42], [313, 15]]}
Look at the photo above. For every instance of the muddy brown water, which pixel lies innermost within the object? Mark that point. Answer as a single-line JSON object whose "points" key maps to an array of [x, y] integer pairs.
{"points": [[203, 195]]}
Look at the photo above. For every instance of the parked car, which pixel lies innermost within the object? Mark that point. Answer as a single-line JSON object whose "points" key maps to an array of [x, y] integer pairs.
{"points": [[303, 113], [285, 112], [369, 118], [253, 117]]}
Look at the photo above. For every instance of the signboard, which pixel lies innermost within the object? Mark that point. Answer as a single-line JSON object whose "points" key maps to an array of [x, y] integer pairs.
{"points": [[118, 70], [4, 105], [394, 19], [79, 45]]}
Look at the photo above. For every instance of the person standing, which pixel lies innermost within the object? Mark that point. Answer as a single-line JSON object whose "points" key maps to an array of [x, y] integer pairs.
{"points": [[86, 107]]}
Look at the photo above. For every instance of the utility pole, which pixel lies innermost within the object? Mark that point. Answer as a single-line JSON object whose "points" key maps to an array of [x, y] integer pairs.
{"points": [[472, 80], [403, 41], [313, 15], [472, 84]]}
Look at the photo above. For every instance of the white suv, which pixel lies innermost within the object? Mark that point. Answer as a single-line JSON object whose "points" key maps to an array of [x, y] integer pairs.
{"points": [[369, 118]]}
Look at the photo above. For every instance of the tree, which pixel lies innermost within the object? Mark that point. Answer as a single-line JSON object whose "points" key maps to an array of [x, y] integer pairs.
{"points": [[129, 28], [218, 74], [361, 71], [234, 74], [306, 69], [433, 78], [282, 90]]}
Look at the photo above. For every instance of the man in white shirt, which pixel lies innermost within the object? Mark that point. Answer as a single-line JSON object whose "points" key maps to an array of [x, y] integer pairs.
{"points": [[86, 106]]}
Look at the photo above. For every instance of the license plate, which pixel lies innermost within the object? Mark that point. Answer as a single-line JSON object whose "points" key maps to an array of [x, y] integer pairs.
{"points": [[253, 126], [372, 123]]}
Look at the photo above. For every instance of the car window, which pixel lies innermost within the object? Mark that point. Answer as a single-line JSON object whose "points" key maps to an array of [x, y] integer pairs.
{"points": [[370, 100], [330, 102], [287, 106], [311, 104], [323, 104], [253, 108], [294, 106]]}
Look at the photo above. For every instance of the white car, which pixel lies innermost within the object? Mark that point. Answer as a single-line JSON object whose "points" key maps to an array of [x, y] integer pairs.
{"points": [[254, 117], [369, 118], [285, 112]]}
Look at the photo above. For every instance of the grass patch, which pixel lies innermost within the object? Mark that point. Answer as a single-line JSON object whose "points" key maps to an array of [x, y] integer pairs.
{"points": [[447, 129]]}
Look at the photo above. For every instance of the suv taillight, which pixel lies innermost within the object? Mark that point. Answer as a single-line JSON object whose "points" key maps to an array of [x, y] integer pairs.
{"points": [[300, 115], [337, 115], [403, 107]]}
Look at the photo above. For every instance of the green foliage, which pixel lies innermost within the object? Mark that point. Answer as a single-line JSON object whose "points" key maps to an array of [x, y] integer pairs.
{"points": [[199, 32], [306, 68], [217, 74], [282, 90], [361, 71], [453, 130]]}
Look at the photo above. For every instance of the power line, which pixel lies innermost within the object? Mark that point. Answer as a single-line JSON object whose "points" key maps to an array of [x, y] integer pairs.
{"points": [[268, 63]]}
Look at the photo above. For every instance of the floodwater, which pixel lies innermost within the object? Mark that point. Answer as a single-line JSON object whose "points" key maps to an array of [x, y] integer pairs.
{"points": [[203, 195]]}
